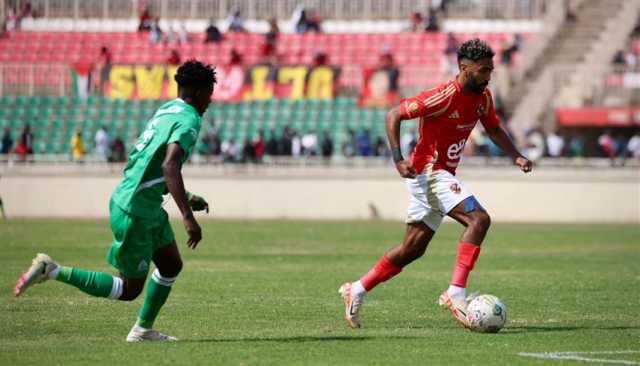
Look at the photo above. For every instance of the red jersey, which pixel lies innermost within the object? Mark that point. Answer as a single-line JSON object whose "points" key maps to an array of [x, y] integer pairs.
{"points": [[447, 117]]}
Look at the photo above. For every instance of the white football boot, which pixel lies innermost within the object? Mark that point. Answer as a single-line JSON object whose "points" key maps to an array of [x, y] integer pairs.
{"points": [[39, 271], [352, 305], [457, 307], [139, 334]]}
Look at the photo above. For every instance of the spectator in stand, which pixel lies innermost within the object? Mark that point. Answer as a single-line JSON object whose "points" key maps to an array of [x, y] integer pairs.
{"points": [[326, 145], [285, 147], [235, 58], [145, 20], [451, 54], [416, 22], [433, 24], [25, 145], [271, 41], [633, 146], [183, 35], [259, 147], [103, 65], [296, 144], [619, 59], [102, 144], [350, 146], [380, 147], [248, 153], [309, 143], [155, 33], [607, 145], [174, 58], [213, 142], [306, 20], [77, 147], [212, 33], [236, 22], [271, 147], [535, 144], [118, 153], [555, 145], [576, 146], [364, 143], [7, 141]]}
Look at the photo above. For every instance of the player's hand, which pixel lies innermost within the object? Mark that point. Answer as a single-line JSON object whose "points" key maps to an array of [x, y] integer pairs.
{"points": [[198, 203], [405, 169], [193, 231], [524, 164]]}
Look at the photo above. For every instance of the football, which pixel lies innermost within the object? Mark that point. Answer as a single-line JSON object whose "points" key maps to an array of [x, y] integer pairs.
{"points": [[486, 314]]}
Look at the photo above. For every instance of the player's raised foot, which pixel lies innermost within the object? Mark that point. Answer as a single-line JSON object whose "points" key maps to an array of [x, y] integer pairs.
{"points": [[352, 304], [139, 334], [39, 271], [457, 307]]}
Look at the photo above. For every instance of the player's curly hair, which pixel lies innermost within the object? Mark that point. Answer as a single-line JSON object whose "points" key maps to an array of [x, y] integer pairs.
{"points": [[195, 74], [475, 50]]}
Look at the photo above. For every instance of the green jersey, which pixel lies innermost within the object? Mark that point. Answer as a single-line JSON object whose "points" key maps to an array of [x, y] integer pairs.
{"points": [[140, 192]]}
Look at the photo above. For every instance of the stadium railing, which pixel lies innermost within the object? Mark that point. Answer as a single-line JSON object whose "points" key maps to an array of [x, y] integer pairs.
{"points": [[258, 9]]}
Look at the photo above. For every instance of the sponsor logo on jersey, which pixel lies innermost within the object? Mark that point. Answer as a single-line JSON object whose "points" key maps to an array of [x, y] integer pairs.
{"points": [[454, 150], [455, 114]]}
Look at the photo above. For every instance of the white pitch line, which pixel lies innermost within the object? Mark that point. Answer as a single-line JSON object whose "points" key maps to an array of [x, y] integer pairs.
{"points": [[575, 356]]}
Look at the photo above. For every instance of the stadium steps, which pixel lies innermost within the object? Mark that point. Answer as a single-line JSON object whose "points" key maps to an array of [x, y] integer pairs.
{"points": [[566, 50]]}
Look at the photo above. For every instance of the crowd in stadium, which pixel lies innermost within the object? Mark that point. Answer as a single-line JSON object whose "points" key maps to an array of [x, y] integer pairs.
{"points": [[284, 138]]}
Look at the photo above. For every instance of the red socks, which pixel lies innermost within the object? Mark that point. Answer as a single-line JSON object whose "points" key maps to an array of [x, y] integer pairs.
{"points": [[382, 271], [465, 260]]}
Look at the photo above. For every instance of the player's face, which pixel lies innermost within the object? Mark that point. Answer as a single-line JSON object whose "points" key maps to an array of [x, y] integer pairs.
{"points": [[479, 74]]}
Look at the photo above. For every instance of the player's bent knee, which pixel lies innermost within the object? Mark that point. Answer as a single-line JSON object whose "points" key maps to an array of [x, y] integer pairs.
{"points": [[131, 292], [482, 220], [173, 270]]}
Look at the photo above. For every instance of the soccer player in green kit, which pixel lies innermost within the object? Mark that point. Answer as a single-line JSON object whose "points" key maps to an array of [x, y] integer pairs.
{"points": [[140, 226]]}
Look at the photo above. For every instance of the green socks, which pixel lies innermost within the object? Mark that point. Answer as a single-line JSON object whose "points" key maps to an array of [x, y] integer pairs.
{"points": [[104, 285], [93, 283], [158, 289]]}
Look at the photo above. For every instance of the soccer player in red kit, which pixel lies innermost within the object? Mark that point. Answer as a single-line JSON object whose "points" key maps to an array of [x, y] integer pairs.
{"points": [[447, 115]]}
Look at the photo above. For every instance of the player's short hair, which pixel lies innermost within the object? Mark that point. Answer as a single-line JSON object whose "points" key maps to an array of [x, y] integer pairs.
{"points": [[475, 50], [195, 74]]}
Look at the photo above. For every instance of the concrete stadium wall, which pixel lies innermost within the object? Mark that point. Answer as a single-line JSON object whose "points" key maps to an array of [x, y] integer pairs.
{"points": [[547, 195]]}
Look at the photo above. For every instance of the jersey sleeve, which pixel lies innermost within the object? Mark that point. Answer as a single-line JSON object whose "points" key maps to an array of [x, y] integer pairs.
{"points": [[431, 103], [488, 116], [185, 133]]}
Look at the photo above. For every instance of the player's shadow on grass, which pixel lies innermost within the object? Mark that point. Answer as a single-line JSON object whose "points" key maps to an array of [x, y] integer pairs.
{"points": [[297, 339], [543, 329]]}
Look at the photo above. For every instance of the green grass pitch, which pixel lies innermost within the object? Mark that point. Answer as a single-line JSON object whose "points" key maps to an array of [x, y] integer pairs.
{"points": [[265, 293]]}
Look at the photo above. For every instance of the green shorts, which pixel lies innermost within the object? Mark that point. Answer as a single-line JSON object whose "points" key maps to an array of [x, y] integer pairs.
{"points": [[135, 239]]}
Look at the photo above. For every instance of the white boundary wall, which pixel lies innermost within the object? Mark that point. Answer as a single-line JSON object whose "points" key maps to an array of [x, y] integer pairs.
{"points": [[546, 195]]}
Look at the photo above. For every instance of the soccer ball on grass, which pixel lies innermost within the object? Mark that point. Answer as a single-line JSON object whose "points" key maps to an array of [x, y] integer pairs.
{"points": [[486, 314]]}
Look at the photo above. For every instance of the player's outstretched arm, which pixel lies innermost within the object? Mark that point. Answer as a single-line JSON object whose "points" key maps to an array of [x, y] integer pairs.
{"points": [[500, 137], [392, 122], [173, 178]]}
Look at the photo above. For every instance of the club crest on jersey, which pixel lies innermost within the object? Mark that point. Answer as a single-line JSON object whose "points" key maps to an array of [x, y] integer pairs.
{"points": [[412, 107], [455, 188], [481, 110]]}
